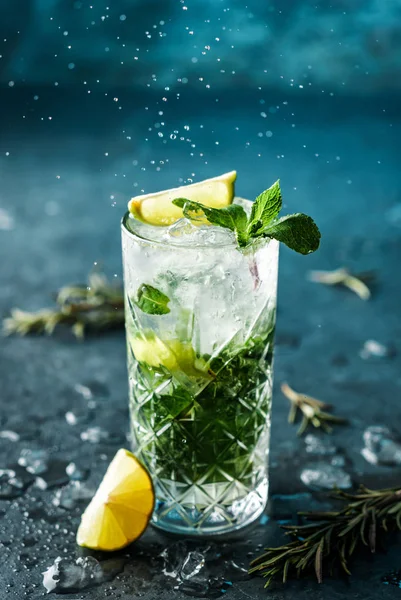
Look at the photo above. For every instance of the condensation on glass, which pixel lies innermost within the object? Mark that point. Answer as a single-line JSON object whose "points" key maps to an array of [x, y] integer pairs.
{"points": [[200, 379]]}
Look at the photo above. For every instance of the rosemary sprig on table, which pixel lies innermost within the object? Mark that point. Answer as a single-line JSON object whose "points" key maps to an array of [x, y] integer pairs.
{"points": [[98, 305], [314, 412], [342, 276], [330, 541]]}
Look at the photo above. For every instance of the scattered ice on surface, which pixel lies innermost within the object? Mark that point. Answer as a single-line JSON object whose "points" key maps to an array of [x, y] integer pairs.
{"points": [[84, 390], [373, 348], [338, 461], [65, 576], [54, 475], [193, 563], [72, 494], [50, 577], [381, 446], [6, 220], [94, 435], [173, 557], [11, 486], [200, 571], [75, 473], [12, 436], [71, 418], [319, 446], [34, 461], [323, 476]]}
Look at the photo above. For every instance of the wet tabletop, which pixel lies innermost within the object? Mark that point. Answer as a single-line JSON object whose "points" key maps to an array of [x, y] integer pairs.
{"points": [[64, 412]]}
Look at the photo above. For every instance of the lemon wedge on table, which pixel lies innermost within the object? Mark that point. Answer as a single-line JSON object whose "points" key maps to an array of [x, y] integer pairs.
{"points": [[121, 508], [158, 208]]}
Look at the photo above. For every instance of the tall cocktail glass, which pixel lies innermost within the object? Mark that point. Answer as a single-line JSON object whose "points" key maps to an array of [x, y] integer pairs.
{"points": [[200, 372]]}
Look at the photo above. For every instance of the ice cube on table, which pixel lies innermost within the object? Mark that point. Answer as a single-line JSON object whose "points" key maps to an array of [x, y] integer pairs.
{"points": [[324, 476], [72, 494], [64, 575], [94, 435], [11, 486], [12, 436], [193, 563], [381, 446], [318, 445], [34, 461]]}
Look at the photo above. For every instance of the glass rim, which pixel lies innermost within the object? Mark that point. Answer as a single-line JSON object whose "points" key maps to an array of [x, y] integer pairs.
{"points": [[167, 244]]}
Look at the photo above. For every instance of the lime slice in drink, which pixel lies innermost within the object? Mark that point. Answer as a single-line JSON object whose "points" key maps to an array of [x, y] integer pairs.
{"points": [[173, 354], [150, 349], [158, 209]]}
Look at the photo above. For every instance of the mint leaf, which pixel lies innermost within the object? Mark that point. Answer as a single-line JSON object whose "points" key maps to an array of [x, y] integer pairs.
{"points": [[232, 217], [299, 232], [152, 301], [265, 208]]}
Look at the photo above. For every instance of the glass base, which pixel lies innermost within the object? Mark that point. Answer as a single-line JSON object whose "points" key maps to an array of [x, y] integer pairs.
{"points": [[227, 511]]}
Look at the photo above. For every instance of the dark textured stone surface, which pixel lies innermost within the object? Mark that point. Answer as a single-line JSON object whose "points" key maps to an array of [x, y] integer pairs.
{"points": [[58, 217]]}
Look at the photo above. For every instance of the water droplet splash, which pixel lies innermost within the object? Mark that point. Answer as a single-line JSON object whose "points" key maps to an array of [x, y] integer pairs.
{"points": [[381, 446]]}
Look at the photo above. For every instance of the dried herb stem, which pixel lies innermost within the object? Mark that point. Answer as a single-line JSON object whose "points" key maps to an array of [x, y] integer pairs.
{"points": [[332, 538], [98, 305], [342, 276], [314, 411]]}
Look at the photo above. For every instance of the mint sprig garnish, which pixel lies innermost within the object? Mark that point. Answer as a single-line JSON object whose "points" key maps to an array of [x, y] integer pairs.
{"points": [[152, 301], [299, 232], [265, 208]]}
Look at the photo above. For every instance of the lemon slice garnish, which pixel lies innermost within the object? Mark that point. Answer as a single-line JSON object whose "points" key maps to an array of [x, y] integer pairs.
{"points": [[121, 508], [158, 209]]}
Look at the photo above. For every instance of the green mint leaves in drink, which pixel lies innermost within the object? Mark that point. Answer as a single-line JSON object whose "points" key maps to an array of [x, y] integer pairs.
{"points": [[152, 301], [299, 232]]}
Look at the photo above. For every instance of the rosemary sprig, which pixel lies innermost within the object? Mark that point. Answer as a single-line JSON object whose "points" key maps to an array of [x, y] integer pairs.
{"points": [[342, 276], [98, 305], [314, 411], [330, 541]]}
